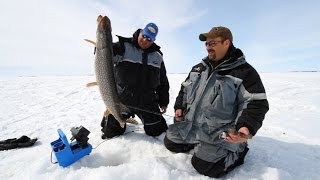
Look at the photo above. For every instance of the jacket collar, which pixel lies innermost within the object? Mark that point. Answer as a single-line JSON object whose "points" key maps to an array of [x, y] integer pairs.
{"points": [[234, 57]]}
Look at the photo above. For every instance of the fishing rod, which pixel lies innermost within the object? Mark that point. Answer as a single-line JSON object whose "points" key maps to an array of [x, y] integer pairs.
{"points": [[148, 111]]}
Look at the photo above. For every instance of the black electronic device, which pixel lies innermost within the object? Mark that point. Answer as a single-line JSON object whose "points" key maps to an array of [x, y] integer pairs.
{"points": [[80, 134]]}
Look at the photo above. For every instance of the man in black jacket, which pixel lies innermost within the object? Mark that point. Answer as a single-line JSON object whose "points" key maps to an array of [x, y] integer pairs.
{"points": [[142, 83], [221, 104]]}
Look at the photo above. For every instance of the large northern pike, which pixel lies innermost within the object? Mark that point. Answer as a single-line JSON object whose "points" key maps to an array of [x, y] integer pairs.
{"points": [[104, 70]]}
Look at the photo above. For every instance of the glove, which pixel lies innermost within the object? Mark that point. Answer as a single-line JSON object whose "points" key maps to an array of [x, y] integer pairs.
{"points": [[23, 141]]}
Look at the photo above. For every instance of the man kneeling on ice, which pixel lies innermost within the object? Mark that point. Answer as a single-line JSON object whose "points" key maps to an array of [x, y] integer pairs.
{"points": [[141, 81], [221, 104]]}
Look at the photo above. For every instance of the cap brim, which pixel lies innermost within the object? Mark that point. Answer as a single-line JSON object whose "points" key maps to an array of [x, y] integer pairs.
{"points": [[149, 35], [203, 37]]}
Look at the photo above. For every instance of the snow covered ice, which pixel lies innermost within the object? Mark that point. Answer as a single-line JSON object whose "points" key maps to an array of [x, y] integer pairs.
{"points": [[286, 147]]}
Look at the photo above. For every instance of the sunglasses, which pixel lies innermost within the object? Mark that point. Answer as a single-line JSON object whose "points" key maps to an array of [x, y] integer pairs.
{"points": [[212, 43], [147, 38]]}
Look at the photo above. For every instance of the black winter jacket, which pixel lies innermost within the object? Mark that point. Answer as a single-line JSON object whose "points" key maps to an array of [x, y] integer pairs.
{"points": [[140, 73]]}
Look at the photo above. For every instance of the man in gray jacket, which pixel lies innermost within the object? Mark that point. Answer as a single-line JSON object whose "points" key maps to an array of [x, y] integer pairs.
{"points": [[221, 104]]}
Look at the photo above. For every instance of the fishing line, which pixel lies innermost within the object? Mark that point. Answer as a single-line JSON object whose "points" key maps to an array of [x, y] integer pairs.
{"points": [[111, 138], [94, 147], [144, 110]]}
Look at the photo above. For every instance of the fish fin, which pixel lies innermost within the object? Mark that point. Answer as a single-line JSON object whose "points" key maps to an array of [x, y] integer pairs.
{"points": [[107, 112], [92, 84], [132, 121], [122, 124], [90, 41]]}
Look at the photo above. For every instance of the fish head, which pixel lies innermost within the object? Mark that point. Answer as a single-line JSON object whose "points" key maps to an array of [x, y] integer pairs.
{"points": [[103, 23]]}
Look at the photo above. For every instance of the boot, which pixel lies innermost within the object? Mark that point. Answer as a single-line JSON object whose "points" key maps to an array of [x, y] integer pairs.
{"points": [[111, 127]]}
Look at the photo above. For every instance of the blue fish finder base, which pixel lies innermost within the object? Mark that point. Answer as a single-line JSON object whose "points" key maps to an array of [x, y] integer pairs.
{"points": [[66, 153]]}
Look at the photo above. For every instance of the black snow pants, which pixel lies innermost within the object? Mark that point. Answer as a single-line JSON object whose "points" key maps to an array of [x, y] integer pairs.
{"points": [[153, 121]]}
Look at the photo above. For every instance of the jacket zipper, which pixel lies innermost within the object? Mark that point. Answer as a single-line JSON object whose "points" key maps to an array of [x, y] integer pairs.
{"points": [[217, 93], [214, 71]]}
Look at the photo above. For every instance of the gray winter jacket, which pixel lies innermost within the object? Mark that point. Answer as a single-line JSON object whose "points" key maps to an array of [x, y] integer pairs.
{"points": [[214, 99]]}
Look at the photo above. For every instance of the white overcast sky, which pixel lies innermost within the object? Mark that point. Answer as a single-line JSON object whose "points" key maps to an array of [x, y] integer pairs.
{"points": [[46, 37]]}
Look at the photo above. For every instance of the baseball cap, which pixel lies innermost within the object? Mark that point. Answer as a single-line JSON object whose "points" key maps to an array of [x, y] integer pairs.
{"points": [[151, 30], [219, 31]]}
